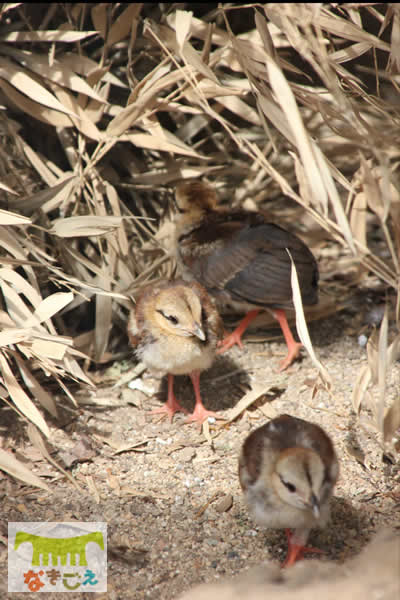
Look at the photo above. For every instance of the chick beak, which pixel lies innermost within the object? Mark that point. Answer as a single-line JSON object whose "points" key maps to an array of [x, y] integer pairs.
{"points": [[315, 506], [198, 332]]}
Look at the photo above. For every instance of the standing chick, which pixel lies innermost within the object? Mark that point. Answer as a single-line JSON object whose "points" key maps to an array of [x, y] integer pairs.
{"points": [[288, 469], [242, 260], [175, 328]]}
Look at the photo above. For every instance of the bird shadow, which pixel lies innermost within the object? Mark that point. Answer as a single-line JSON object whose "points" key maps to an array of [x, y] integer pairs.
{"points": [[221, 386]]}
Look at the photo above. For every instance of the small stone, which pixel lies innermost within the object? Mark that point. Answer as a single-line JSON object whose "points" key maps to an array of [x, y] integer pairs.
{"points": [[224, 504], [212, 542], [362, 340], [187, 454]]}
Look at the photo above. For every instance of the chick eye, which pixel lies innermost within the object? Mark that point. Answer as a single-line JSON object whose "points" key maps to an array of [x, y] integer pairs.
{"points": [[171, 318], [289, 486]]}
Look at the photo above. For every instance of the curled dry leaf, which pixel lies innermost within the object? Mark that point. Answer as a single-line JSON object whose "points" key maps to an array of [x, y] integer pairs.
{"points": [[252, 396]]}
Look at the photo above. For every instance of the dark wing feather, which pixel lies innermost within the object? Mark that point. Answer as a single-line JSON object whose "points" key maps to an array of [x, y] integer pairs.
{"points": [[250, 261]]}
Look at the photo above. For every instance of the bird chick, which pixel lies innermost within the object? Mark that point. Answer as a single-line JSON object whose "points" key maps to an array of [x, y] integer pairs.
{"points": [[175, 329], [288, 469], [242, 260]]}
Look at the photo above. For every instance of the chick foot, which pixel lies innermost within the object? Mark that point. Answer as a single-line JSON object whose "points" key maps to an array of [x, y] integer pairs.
{"points": [[200, 414], [293, 346], [172, 405], [297, 551], [236, 336]]}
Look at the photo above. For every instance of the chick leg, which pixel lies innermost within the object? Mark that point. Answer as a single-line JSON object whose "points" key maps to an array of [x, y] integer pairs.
{"points": [[199, 414], [236, 336], [293, 347], [296, 548], [171, 406]]}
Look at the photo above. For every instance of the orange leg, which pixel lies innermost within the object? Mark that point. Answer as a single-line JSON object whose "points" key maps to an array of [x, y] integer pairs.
{"points": [[296, 551], [293, 346], [171, 406], [200, 414], [236, 336]]}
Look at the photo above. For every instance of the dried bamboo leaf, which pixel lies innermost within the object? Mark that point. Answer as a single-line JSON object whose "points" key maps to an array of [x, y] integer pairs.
{"points": [[57, 72], [251, 396], [237, 106], [35, 388], [15, 468], [52, 349], [358, 218], [140, 100], [152, 142], [50, 198], [13, 247], [393, 352], [350, 53], [6, 6], [20, 398], [84, 226], [103, 317], [99, 17], [302, 328], [86, 67], [391, 422], [123, 24], [348, 31], [382, 368], [395, 38], [82, 121], [360, 387], [21, 285], [183, 20], [37, 162], [113, 199], [9, 218], [7, 188], [372, 355], [288, 103], [8, 337], [22, 81], [16, 308], [32, 108], [47, 36], [48, 307]]}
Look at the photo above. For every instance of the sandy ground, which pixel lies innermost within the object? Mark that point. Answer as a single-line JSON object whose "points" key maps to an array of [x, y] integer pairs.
{"points": [[173, 504]]}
